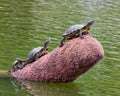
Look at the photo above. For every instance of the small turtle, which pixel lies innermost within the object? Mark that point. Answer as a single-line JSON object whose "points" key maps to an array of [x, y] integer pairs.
{"points": [[76, 31], [36, 53], [17, 64]]}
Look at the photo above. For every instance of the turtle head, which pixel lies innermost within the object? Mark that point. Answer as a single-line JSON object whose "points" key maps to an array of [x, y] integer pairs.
{"points": [[86, 27], [44, 50], [47, 43], [17, 62]]}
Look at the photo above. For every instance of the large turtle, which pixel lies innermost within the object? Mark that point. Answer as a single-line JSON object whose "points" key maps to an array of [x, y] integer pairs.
{"points": [[36, 53], [17, 64], [76, 31]]}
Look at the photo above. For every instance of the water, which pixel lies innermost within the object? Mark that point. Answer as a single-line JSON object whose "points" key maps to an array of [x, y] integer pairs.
{"points": [[25, 24]]}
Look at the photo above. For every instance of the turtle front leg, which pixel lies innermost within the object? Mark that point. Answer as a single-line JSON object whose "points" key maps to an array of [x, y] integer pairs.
{"points": [[13, 68], [81, 35], [23, 65], [37, 57], [61, 42], [89, 33]]}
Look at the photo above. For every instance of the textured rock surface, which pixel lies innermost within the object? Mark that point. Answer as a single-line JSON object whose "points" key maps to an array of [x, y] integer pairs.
{"points": [[64, 64]]}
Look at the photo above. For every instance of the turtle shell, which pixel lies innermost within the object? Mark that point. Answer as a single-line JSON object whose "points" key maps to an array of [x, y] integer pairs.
{"points": [[18, 60], [15, 62], [34, 52], [73, 28]]}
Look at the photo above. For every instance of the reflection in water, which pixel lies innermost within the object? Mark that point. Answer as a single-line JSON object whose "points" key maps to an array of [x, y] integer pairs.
{"points": [[46, 89]]}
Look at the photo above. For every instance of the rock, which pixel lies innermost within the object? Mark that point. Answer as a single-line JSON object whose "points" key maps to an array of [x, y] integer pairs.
{"points": [[64, 64]]}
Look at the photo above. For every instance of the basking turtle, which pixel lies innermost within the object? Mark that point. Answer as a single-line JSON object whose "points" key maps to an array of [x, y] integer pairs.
{"points": [[17, 64], [76, 31], [36, 53]]}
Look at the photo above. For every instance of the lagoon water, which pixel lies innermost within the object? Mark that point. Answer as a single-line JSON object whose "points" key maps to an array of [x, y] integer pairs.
{"points": [[25, 24]]}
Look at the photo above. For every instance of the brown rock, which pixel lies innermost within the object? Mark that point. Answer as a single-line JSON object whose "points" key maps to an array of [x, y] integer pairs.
{"points": [[64, 64]]}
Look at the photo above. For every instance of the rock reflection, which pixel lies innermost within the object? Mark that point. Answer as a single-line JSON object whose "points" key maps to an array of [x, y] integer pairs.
{"points": [[46, 89]]}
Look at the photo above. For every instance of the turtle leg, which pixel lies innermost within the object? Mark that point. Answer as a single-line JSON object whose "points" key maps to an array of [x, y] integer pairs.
{"points": [[23, 65], [13, 68], [81, 35], [89, 33], [61, 42], [37, 57]]}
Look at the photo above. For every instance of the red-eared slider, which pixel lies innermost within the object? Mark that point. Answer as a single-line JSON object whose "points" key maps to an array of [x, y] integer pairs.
{"points": [[17, 64], [36, 53], [76, 31]]}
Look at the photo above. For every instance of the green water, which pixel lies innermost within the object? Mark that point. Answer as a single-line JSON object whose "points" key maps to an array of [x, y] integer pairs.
{"points": [[25, 24]]}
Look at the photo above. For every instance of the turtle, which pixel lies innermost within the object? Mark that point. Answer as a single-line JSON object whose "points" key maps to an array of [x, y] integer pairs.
{"points": [[76, 31], [16, 64], [36, 53]]}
